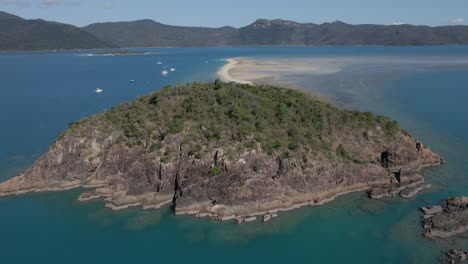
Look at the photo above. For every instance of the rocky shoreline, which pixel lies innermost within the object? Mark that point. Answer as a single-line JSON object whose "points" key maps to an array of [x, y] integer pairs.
{"points": [[376, 190]]}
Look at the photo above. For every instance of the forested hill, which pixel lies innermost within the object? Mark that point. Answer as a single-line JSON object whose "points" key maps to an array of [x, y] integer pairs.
{"points": [[18, 34]]}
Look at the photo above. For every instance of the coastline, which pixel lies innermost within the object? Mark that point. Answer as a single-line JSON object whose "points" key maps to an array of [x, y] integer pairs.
{"points": [[110, 54], [224, 73], [232, 46]]}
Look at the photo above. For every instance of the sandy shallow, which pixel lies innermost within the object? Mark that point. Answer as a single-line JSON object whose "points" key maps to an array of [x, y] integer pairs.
{"points": [[278, 72], [250, 71]]}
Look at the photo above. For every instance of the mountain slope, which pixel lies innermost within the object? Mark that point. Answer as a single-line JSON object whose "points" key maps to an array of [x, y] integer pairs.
{"points": [[20, 34], [148, 33]]}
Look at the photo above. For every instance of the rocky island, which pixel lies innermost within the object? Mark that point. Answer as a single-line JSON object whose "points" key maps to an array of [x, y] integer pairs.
{"points": [[226, 151]]}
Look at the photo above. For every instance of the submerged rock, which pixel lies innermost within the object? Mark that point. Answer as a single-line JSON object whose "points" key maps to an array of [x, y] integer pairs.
{"points": [[412, 191], [456, 256], [245, 219], [226, 151], [88, 196], [448, 220]]}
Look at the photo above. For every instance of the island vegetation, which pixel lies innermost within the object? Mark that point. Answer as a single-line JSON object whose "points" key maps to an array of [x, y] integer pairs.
{"points": [[283, 121]]}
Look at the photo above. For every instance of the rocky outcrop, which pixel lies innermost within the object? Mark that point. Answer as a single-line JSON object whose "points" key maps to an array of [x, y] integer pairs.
{"points": [[407, 188], [222, 174], [448, 220], [412, 191], [268, 217], [432, 210], [456, 256]]}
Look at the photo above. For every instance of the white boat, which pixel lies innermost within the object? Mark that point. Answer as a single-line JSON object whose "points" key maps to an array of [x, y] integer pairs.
{"points": [[164, 72], [172, 69], [132, 81], [98, 90], [159, 63]]}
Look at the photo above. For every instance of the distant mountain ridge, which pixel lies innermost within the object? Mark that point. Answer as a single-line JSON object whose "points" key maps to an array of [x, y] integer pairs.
{"points": [[20, 34], [283, 32], [148, 33]]}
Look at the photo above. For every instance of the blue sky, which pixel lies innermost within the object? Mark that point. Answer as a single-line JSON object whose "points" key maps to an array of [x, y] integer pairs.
{"points": [[216, 13]]}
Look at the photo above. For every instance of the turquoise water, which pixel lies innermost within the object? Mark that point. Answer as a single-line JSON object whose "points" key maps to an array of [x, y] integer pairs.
{"points": [[42, 92]]}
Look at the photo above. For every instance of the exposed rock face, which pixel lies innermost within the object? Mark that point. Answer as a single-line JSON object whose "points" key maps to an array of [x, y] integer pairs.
{"points": [[456, 256], [448, 220], [226, 179]]}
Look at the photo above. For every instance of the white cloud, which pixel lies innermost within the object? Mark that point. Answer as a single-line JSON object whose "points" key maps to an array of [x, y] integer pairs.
{"points": [[18, 3], [458, 20], [49, 3], [108, 6], [52, 3], [72, 3], [398, 23], [40, 3]]}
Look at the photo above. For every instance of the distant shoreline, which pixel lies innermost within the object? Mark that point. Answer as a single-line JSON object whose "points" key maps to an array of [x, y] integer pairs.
{"points": [[232, 46], [116, 53]]}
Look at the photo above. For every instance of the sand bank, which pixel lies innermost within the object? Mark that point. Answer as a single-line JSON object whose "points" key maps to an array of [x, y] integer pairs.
{"points": [[274, 71], [278, 72]]}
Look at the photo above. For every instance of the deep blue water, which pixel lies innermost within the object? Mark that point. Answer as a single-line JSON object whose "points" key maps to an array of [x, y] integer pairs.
{"points": [[42, 92]]}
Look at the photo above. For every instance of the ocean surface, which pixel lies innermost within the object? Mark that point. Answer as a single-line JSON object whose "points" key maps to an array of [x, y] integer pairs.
{"points": [[424, 88]]}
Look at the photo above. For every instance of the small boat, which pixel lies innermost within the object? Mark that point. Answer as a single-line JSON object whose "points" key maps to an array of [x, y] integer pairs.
{"points": [[132, 81], [172, 69], [98, 90], [164, 73], [159, 63]]}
